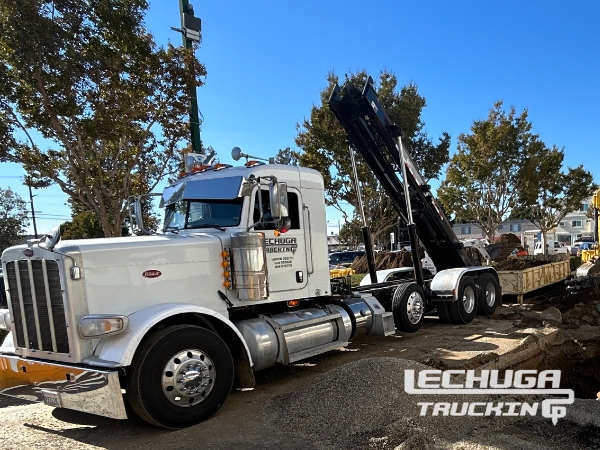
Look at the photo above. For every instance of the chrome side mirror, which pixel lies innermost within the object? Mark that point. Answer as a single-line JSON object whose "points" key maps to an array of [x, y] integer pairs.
{"points": [[279, 200], [137, 213], [136, 218]]}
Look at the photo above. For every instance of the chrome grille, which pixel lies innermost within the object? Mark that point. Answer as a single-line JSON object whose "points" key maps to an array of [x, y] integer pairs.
{"points": [[37, 305]]}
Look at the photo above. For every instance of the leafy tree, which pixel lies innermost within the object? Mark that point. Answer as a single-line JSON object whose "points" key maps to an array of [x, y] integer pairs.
{"points": [[287, 156], [88, 77], [487, 175], [323, 143], [551, 193], [83, 225], [351, 233], [13, 218]]}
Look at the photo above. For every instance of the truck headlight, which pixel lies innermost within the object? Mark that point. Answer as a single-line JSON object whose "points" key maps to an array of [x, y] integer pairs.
{"points": [[4, 319], [100, 325]]}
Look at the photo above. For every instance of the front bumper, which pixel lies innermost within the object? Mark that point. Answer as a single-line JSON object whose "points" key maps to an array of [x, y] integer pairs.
{"points": [[63, 386]]}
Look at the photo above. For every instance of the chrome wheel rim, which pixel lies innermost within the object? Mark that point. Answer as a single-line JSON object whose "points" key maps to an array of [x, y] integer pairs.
{"points": [[469, 299], [188, 377], [414, 308], [490, 294]]}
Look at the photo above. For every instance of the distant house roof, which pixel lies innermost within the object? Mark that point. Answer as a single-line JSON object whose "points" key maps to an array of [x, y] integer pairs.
{"points": [[333, 240]]}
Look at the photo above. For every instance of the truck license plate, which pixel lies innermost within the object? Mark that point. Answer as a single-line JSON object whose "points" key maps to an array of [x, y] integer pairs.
{"points": [[52, 398]]}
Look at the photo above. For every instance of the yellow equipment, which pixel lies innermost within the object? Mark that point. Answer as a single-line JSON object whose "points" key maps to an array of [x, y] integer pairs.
{"points": [[343, 272], [591, 258]]}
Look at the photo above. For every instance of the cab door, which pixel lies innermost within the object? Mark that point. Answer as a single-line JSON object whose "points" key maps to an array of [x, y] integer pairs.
{"points": [[286, 252]]}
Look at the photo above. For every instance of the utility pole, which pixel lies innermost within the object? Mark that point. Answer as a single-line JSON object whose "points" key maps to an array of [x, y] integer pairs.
{"points": [[191, 32], [32, 211]]}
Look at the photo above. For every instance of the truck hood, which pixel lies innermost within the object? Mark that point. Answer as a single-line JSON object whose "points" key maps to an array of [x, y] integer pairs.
{"points": [[144, 250]]}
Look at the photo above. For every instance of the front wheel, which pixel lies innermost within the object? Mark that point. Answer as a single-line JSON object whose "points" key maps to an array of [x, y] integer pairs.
{"points": [[490, 295], [180, 376], [463, 310], [408, 307]]}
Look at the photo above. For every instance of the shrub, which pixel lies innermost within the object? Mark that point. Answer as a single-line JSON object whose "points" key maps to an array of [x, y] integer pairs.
{"points": [[575, 262]]}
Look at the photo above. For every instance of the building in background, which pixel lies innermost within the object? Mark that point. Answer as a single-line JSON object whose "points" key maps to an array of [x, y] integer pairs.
{"points": [[521, 228], [574, 226]]}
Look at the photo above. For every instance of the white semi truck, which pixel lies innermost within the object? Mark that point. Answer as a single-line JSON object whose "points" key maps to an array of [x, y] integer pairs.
{"points": [[236, 282]]}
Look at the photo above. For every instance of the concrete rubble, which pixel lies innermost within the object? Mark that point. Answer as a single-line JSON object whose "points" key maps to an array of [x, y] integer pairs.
{"points": [[552, 314]]}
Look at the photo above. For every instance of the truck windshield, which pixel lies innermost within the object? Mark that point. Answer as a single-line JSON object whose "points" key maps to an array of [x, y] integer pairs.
{"points": [[187, 214]]}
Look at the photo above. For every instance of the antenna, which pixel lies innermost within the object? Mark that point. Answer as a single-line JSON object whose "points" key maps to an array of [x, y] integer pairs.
{"points": [[236, 154]]}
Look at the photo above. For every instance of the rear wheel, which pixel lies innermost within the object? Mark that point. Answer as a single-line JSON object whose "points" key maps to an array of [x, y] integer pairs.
{"points": [[489, 294], [408, 307], [464, 309], [180, 376]]}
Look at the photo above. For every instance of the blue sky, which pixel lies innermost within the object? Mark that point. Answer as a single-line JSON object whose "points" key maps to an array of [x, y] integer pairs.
{"points": [[268, 61]]}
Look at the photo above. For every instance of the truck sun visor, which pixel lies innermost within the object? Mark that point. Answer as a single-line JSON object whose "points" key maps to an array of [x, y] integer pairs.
{"points": [[213, 188]]}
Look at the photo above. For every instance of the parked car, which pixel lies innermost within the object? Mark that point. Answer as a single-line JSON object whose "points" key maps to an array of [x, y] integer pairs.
{"points": [[586, 239], [344, 259], [584, 246], [557, 248]]}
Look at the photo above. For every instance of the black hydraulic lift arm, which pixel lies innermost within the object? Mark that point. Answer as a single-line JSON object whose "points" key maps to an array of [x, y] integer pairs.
{"points": [[376, 137]]}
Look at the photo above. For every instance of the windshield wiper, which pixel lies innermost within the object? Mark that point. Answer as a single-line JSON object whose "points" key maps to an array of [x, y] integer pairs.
{"points": [[211, 225], [172, 229]]}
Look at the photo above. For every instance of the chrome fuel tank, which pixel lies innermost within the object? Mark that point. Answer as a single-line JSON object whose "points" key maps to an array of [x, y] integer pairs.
{"points": [[249, 265]]}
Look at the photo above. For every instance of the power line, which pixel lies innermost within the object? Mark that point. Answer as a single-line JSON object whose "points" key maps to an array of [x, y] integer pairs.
{"points": [[52, 216]]}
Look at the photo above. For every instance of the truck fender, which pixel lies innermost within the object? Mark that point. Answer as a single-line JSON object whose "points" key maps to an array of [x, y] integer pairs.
{"points": [[118, 350], [445, 282]]}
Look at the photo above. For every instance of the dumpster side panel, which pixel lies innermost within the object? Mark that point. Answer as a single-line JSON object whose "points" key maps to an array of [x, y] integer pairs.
{"points": [[519, 282]]}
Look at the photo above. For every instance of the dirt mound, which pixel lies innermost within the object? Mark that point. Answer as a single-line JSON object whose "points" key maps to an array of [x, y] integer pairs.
{"points": [[579, 308], [526, 262], [385, 260], [584, 312], [509, 238], [520, 263], [503, 247]]}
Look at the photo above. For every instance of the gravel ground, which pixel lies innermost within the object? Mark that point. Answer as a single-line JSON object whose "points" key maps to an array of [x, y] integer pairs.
{"points": [[352, 399], [362, 405]]}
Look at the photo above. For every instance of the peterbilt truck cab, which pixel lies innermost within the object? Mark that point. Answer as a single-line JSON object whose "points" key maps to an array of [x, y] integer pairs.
{"points": [[226, 201]]}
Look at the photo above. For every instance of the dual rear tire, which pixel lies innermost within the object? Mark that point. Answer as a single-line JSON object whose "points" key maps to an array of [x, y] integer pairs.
{"points": [[490, 294], [481, 295], [464, 309]]}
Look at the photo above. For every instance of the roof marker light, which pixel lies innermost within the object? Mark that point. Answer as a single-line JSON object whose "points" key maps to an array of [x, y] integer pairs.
{"points": [[221, 166], [253, 163]]}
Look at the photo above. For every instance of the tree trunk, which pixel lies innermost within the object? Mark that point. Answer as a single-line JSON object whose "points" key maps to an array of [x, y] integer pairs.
{"points": [[544, 242]]}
